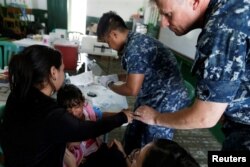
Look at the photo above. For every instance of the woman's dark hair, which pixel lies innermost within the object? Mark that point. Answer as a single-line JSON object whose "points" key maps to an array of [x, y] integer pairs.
{"points": [[109, 21], [69, 96], [105, 156], [168, 153], [31, 67]]}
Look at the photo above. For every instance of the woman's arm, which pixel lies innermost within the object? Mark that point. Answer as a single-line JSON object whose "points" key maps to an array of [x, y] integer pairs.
{"points": [[63, 127]]}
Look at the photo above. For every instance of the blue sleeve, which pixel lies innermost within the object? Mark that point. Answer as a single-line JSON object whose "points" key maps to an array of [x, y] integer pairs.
{"points": [[223, 68], [98, 112], [140, 55]]}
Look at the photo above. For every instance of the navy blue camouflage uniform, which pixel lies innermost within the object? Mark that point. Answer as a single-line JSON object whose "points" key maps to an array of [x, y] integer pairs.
{"points": [[222, 65], [163, 87]]}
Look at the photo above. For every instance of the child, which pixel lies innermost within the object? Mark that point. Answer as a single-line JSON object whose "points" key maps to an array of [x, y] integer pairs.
{"points": [[72, 98]]}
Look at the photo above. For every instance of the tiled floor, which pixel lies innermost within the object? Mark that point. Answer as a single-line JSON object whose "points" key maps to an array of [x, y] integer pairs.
{"points": [[197, 142]]}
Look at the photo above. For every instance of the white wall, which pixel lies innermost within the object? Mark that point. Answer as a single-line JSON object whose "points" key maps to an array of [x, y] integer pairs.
{"points": [[182, 44], [124, 8], [2, 2]]}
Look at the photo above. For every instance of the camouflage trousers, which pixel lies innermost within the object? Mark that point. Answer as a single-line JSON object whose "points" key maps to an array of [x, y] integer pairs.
{"points": [[237, 137]]}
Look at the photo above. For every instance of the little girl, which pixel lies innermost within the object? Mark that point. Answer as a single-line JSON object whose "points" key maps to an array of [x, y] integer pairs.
{"points": [[72, 98]]}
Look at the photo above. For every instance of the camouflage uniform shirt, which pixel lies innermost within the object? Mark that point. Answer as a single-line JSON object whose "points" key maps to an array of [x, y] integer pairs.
{"points": [[222, 61], [163, 87]]}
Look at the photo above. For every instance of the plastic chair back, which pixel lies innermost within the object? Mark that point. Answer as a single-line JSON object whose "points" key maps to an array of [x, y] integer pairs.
{"points": [[2, 106], [7, 49], [75, 37]]}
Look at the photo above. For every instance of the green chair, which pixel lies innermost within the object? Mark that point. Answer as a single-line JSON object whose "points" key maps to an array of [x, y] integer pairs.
{"points": [[7, 49], [2, 106], [191, 91]]}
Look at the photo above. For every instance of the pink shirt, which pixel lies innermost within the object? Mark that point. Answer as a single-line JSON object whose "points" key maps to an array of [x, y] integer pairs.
{"points": [[86, 147]]}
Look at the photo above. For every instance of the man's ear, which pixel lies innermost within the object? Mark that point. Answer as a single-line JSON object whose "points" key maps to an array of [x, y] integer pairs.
{"points": [[113, 34], [196, 3]]}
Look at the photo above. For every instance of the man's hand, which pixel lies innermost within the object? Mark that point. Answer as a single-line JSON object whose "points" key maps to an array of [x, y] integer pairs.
{"points": [[146, 114], [106, 79]]}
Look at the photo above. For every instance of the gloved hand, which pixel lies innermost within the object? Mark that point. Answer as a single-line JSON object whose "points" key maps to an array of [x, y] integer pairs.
{"points": [[106, 79]]}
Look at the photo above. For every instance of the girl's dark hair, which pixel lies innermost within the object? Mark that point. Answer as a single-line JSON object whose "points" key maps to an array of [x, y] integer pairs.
{"points": [[109, 21], [168, 153], [31, 67], [69, 96]]}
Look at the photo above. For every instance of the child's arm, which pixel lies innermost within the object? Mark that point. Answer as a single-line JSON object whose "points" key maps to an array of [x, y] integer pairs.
{"points": [[72, 145], [69, 159]]}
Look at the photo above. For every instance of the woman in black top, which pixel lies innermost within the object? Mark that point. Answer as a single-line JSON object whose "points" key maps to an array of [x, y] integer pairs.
{"points": [[35, 128]]}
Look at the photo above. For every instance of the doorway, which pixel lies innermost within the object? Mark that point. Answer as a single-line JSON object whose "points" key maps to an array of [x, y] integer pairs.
{"points": [[77, 15]]}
